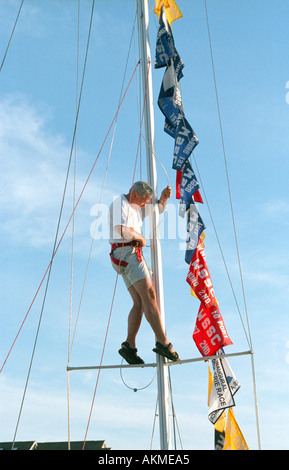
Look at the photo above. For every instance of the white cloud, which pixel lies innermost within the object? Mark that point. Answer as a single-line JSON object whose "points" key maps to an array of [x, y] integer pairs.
{"points": [[276, 211], [34, 165]]}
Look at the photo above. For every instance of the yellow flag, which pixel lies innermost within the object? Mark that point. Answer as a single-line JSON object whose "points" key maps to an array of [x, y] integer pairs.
{"points": [[234, 439], [221, 423], [172, 10], [210, 385]]}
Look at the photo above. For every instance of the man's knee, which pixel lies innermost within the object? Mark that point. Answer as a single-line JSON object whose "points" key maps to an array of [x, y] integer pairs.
{"points": [[151, 294], [137, 303], [145, 290]]}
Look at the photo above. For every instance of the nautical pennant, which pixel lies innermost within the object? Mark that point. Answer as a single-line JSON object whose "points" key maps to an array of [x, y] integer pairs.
{"points": [[234, 439], [178, 184], [225, 385], [197, 197], [189, 185], [210, 333], [165, 47], [228, 435], [221, 423], [172, 10], [195, 227], [185, 142], [220, 433], [170, 100], [169, 128], [199, 277]]}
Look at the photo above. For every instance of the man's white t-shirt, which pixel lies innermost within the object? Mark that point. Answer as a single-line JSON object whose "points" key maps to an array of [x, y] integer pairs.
{"points": [[121, 212]]}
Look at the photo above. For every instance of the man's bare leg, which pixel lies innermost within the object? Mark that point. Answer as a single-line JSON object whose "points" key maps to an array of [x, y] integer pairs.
{"points": [[146, 292], [135, 317]]}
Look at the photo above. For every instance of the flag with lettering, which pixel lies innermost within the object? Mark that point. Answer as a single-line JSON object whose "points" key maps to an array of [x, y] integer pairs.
{"points": [[165, 47], [210, 333], [189, 185], [225, 385], [170, 100], [234, 439], [169, 128], [195, 227], [185, 142], [221, 422], [199, 277]]}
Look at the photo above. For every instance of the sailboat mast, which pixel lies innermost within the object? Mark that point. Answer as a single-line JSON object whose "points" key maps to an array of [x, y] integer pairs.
{"points": [[156, 259]]}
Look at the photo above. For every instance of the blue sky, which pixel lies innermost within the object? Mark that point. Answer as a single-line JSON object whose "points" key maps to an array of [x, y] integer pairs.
{"points": [[37, 114]]}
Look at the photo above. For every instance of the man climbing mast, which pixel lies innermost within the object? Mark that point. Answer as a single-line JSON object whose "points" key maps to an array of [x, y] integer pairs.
{"points": [[126, 215]]}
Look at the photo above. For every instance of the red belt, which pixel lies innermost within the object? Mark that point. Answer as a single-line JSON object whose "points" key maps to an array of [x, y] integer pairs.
{"points": [[119, 245]]}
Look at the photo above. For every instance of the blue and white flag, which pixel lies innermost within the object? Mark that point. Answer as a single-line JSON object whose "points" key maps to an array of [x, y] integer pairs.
{"points": [[185, 142], [189, 185], [169, 128], [165, 46], [170, 100], [195, 226]]}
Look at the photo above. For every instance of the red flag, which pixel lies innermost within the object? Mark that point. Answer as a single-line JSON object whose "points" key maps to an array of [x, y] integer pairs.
{"points": [[178, 184], [199, 277], [197, 197], [210, 333]]}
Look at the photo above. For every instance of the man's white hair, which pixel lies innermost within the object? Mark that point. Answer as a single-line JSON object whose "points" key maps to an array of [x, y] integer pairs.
{"points": [[142, 188]]}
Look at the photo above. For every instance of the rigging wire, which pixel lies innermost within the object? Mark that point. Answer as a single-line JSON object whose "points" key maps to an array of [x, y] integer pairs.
{"points": [[117, 276], [248, 336], [154, 422], [207, 202], [175, 421], [226, 168], [11, 36], [68, 223], [234, 225], [73, 223], [154, 229], [221, 251], [138, 93], [107, 165], [54, 251], [57, 247], [102, 191], [135, 389], [58, 224]]}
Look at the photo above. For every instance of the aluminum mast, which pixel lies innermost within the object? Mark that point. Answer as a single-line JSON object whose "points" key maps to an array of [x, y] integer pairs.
{"points": [[156, 259]]}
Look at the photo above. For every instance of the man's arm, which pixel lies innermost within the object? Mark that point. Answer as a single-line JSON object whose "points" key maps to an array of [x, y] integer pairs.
{"points": [[166, 194]]}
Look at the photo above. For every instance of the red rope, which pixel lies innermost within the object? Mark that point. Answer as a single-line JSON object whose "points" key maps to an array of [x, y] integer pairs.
{"points": [[113, 297], [74, 209]]}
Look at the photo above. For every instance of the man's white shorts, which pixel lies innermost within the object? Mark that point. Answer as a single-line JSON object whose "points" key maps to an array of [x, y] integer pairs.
{"points": [[135, 270]]}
